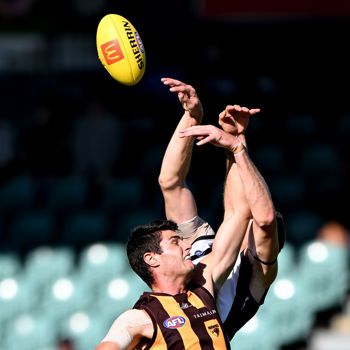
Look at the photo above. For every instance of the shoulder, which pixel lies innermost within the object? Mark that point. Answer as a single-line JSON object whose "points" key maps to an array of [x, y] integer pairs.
{"points": [[129, 327], [134, 317], [131, 319]]}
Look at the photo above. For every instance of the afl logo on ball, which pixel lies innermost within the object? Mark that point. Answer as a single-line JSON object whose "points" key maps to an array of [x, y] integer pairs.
{"points": [[174, 322], [139, 42]]}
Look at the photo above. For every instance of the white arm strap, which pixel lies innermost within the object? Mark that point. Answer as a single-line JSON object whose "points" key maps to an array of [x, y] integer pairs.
{"points": [[120, 333]]}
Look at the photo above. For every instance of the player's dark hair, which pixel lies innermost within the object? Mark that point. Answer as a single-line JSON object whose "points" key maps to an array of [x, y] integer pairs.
{"points": [[281, 230], [143, 239]]}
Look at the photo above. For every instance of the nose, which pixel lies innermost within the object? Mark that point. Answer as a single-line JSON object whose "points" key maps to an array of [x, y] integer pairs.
{"points": [[186, 245]]}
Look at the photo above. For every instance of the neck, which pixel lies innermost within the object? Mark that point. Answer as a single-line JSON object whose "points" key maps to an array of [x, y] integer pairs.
{"points": [[168, 286]]}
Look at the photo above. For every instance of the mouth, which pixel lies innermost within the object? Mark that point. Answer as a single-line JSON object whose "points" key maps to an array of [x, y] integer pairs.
{"points": [[187, 257]]}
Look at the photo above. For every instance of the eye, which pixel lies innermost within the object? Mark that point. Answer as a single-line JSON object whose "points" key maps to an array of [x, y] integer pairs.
{"points": [[176, 240]]}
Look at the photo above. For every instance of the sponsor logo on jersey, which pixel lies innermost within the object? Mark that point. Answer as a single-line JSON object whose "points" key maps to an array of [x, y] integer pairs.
{"points": [[174, 322], [205, 313], [185, 305], [215, 329], [112, 52], [198, 253]]}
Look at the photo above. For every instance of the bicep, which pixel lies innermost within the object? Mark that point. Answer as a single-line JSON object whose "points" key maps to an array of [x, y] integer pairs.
{"points": [[180, 204]]}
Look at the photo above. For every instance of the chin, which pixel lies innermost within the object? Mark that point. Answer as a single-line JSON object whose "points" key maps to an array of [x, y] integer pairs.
{"points": [[190, 264]]}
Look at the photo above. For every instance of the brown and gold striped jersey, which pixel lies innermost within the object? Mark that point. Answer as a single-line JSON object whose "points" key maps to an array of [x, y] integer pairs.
{"points": [[184, 321]]}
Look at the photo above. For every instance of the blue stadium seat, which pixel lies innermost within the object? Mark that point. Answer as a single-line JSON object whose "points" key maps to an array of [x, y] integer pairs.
{"points": [[17, 295], [18, 194], [257, 334], [85, 227], [66, 295], [270, 159], [68, 194], [287, 309], [121, 194], [319, 159], [31, 228], [324, 269], [102, 261], [45, 264], [300, 126], [287, 261], [342, 130], [85, 329], [132, 219], [288, 191], [118, 294], [30, 331], [302, 226], [10, 264]]}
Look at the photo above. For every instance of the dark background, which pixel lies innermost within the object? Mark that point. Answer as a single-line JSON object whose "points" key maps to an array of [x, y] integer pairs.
{"points": [[60, 108], [291, 62]]}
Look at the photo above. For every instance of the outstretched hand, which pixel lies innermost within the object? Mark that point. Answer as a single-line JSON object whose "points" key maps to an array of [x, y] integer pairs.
{"points": [[212, 134], [187, 96], [234, 119]]}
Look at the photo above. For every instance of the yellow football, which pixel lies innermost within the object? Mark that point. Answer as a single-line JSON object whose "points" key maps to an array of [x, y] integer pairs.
{"points": [[120, 49]]}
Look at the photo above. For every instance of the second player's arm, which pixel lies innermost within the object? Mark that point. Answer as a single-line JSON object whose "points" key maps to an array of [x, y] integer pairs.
{"points": [[263, 236], [219, 263]]}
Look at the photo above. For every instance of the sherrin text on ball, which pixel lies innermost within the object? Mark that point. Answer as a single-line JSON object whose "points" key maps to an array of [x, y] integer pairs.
{"points": [[120, 49]]}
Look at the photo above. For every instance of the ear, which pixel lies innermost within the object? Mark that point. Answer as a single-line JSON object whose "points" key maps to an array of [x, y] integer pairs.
{"points": [[151, 259]]}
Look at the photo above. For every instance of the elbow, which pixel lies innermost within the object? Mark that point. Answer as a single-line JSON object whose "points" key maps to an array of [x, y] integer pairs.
{"points": [[267, 220], [167, 183], [162, 181]]}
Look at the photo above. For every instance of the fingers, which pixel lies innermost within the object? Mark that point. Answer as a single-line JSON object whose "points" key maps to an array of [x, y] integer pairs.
{"points": [[238, 108], [254, 111], [203, 133], [197, 130], [222, 115], [205, 140], [170, 81], [179, 86]]}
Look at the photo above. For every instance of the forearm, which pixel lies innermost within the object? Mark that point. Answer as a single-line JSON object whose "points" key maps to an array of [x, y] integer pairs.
{"points": [[227, 245], [256, 191], [234, 195], [177, 157], [180, 205]]}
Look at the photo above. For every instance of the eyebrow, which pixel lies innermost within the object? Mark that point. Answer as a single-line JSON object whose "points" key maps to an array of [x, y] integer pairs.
{"points": [[175, 237]]}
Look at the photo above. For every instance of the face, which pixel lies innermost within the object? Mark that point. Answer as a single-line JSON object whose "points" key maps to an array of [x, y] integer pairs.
{"points": [[175, 257]]}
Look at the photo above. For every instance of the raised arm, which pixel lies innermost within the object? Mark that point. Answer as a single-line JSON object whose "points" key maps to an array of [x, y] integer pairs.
{"points": [[180, 205], [234, 196], [218, 264], [263, 244], [262, 237]]}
